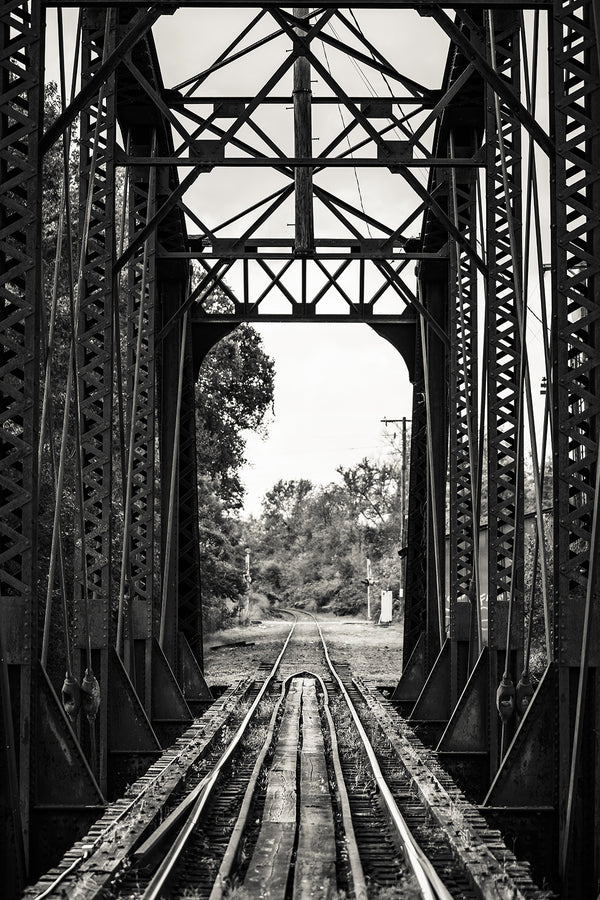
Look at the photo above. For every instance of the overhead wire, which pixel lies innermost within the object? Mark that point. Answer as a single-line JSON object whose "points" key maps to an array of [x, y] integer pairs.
{"points": [[406, 128], [356, 178]]}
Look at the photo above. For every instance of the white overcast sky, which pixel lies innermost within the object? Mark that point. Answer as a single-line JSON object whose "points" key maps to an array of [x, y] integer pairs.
{"points": [[334, 383]]}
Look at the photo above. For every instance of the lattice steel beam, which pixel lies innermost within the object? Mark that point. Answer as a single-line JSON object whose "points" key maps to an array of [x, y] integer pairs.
{"points": [[95, 336], [463, 394], [21, 111], [424, 5], [141, 284], [577, 310], [576, 393], [20, 223], [93, 563], [505, 449]]}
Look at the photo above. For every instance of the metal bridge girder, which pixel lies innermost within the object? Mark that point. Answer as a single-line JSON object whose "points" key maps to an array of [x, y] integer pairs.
{"points": [[21, 104], [140, 427], [575, 89], [489, 37]]}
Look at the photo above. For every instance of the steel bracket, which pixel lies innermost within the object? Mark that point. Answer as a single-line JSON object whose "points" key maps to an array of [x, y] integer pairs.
{"points": [[412, 679], [193, 684], [464, 746], [170, 712], [132, 742]]}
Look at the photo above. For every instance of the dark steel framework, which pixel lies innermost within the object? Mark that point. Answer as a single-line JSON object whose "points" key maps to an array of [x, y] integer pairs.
{"points": [[454, 300]]}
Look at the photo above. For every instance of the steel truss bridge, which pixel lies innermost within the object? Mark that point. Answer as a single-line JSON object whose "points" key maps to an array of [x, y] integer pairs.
{"points": [[492, 180]]}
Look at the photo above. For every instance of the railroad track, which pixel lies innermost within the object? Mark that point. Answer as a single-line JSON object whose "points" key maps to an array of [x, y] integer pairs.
{"points": [[304, 790]]}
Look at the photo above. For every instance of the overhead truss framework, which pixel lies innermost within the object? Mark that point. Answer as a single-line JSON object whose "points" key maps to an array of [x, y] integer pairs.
{"points": [[457, 213]]}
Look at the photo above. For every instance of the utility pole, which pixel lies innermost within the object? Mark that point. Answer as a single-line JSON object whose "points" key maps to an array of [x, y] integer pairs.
{"points": [[369, 583], [245, 610], [403, 492]]}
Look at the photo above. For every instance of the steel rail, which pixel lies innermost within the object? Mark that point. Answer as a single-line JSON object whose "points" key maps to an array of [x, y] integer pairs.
{"points": [[166, 868], [430, 884], [228, 862]]}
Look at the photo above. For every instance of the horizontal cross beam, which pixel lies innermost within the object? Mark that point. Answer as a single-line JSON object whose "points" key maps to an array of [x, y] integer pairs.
{"points": [[374, 106], [307, 313], [425, 5], [350, 255], [214, 160]]}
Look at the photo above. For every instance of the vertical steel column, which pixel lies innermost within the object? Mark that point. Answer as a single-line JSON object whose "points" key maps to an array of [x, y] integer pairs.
{"points": [[141, 371], [95, 358], [415, 587], [170, 296], [189, 586], [21, 111], [434, 279], [504, 451], [463, 427], [576, 398]]}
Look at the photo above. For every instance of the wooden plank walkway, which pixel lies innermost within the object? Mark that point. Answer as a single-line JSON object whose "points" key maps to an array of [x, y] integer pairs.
{"points": [[297, 823]]}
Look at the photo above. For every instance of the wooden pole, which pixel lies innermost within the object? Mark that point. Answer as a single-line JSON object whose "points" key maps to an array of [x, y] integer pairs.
{"points": [[304, 235]]}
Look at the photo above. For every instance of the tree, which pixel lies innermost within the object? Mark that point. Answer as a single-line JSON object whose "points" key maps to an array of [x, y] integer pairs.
{"points": [[310, 545], [234, 394]]}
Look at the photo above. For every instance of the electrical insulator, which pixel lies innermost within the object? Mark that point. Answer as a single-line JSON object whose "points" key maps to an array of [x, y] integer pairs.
{"points": [[505, 698], [525, 691], [71, 697], [90, 695]]}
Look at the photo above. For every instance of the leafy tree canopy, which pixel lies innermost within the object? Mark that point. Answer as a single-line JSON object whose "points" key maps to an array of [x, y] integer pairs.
{"points": [[234, 394]]}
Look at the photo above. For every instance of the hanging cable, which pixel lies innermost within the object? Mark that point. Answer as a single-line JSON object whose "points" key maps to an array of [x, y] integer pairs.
{"points": [[524, 690], [90, 689], [432, 490], [505, 695], [70, 692], [172, 488], [70, 689], [46, 424]]}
